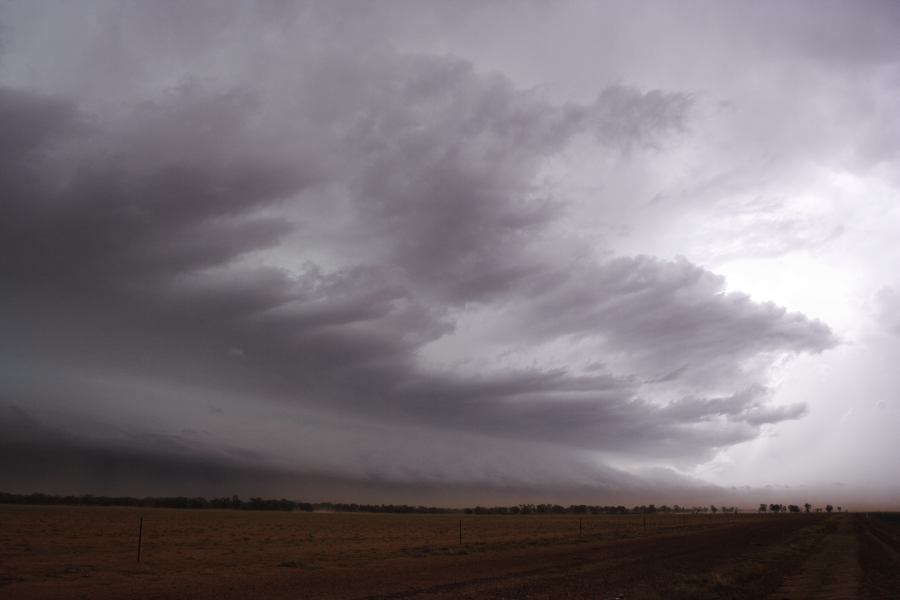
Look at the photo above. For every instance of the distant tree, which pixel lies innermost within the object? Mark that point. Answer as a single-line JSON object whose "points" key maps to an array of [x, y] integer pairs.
{"points": [[762, 507], [713, 509], [794, 508], [828, 508], [839, 509], [775, 508], [807, 506]]}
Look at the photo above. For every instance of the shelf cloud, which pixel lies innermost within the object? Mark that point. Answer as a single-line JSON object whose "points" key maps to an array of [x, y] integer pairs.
{"points": [[266, 249]]}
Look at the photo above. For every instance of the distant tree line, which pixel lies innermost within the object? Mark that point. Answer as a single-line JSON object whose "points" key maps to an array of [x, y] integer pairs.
{"points": [[586, 509], [779, 508], [236, 503]]}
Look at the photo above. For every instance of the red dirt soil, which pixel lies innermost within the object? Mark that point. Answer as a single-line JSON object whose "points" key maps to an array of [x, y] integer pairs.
{"points": [[70, 552]]}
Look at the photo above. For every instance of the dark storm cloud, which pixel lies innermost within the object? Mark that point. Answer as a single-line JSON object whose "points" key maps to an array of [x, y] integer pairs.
{"points": [[34, 457], [169, 194], [301, 240], [745, 406], [591, 413], [149, 228], [448, 160]]}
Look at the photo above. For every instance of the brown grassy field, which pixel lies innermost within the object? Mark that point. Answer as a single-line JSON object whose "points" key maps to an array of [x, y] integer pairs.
{"points": [[91, 552]]}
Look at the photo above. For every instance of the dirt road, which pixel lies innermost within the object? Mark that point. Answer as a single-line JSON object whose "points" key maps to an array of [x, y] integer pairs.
{"points": [[843, 557], [858, 558], [879, 546], [692, 565], [832, 571]]}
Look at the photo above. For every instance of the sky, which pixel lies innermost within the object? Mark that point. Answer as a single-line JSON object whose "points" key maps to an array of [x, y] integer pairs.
{"points": [[451, 253]]}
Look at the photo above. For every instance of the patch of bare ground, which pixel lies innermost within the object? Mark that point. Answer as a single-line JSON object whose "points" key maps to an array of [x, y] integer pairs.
{"points": [[90, 553], [832, 571], [741, 561], [879, 542]]}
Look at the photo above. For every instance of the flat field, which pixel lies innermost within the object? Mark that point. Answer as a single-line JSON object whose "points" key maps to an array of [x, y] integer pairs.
{"points": [[91, 552]]}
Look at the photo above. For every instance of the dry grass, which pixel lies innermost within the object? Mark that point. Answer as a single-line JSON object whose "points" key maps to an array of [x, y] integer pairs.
{"points": [[91, 552]]}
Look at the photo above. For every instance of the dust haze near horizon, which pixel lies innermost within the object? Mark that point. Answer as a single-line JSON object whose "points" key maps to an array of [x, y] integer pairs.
{"points": [[419, 252]]}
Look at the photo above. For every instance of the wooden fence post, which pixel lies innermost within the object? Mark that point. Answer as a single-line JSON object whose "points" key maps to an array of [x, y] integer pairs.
{"points": [[140, 537]]}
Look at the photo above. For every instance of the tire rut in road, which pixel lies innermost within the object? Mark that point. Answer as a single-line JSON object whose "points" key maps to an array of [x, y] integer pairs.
{"points": [[880, 557], [832, 572]]}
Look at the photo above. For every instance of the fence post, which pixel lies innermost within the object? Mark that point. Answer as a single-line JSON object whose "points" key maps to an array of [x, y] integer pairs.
{"points": [[140, 537]]}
